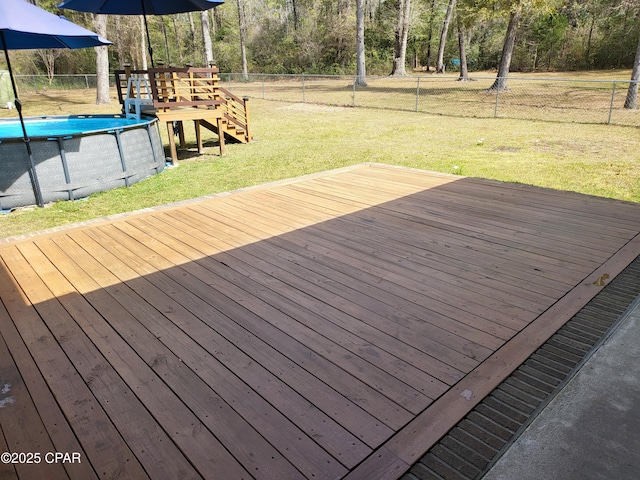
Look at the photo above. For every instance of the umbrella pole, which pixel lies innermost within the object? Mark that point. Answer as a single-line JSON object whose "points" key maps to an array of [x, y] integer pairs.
{"points": [[32, 166], [146, 26]]}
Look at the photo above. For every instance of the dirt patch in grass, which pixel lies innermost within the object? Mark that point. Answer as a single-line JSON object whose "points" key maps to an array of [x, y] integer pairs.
{"points": [[312, 107], [507, 149]]}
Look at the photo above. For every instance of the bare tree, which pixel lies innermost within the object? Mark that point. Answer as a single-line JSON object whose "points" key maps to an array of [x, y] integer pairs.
{"points": [[403, 9], [120, 46], [217, 19], [49, 57], [242, 25], [464, 72], [632, 93], [443, 36], [361, 70], [102, 63], [143, 46], [507, 49], [166, 40], [432, 11], [296, 18], [192, 29], [174, 20], [206, 35]]}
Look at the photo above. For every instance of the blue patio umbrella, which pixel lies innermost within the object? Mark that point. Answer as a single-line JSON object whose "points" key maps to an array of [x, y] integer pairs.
{"points": [[140, 7], [24, 26]]}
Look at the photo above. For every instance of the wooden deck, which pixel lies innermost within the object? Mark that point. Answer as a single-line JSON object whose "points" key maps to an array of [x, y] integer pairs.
{"points": [[333, 326]]}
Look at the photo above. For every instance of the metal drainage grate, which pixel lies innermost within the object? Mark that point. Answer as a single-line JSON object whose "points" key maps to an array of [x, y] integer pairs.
{"points": [[477, 441]]}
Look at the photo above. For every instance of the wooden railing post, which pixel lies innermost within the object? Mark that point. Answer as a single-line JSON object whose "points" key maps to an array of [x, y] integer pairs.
{"points": [[245, 101]]}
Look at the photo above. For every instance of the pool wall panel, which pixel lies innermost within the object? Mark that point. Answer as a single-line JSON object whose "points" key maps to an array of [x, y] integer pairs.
{"points": [[93, 160], [15, 183]]}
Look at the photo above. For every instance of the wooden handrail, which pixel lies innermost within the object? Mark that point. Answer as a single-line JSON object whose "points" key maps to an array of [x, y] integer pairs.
{"points": [[188, 87], [231, 95]]}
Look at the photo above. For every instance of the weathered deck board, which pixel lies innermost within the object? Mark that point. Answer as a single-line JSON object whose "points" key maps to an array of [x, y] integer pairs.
{"points": [[22, 425], [323, 327]]}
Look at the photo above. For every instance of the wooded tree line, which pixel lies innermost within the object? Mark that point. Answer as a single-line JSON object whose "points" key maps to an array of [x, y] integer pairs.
{"points": [[395, 36]]}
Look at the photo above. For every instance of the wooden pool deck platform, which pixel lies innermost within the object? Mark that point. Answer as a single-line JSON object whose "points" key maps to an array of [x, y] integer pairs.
{"points": [[331, 326]]}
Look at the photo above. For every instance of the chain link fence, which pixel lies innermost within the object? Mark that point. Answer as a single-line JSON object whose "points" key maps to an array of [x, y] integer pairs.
{"points": [[548, 99], [57, 82]]}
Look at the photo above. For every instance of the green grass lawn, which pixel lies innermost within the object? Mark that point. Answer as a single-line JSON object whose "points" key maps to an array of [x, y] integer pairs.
{"points": [[296, 139]]}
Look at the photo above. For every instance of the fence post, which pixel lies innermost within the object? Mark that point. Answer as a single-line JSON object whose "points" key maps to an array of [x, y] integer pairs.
{"points": [[353, 100], [613, 96], [417, 94], [263, 86], [86, 81], [303, 88], [495, 111]]}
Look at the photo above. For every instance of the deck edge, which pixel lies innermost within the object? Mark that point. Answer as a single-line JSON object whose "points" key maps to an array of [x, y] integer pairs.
{"points": [[418, 436]]}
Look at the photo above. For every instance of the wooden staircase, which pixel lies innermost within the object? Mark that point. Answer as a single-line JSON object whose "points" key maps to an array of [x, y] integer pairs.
{"points": [[235, 121], [181, 94]]}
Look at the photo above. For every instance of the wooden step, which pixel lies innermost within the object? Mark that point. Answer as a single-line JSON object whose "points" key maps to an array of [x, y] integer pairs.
{"points": [[231, 132]]}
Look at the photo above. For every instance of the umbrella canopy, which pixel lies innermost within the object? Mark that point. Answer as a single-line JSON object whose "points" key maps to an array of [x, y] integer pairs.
{"points": [[140, 7], [24, 26]]}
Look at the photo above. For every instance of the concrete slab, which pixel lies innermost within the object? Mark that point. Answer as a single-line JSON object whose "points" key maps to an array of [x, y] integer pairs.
{"points": [[591, 430]]}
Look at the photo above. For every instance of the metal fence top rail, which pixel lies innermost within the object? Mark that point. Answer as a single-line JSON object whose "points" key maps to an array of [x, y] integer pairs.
{"points": [[432, 76]]}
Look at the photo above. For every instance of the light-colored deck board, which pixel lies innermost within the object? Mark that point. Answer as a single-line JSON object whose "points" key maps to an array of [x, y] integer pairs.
{"points": [[201, 304], [22, 425], [322, 327], [62, 436], [224, 422], [143, 368]]}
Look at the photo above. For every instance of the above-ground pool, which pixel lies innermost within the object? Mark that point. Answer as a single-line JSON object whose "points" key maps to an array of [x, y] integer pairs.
{"points": [[76, 156]]}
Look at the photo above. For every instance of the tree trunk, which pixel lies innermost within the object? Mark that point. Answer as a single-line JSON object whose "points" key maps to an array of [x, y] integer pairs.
{"points": [[294, 11], [464, 73], [632, 93], [242, 25], [192, 29], [143, 45], [217, 20], [587, 56], [402, 34], [166, 40], [507, 51], [443, 36], [102, 63], [174, 19], [122, 58], [430, 33], [206, 35], [361, 70]]}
